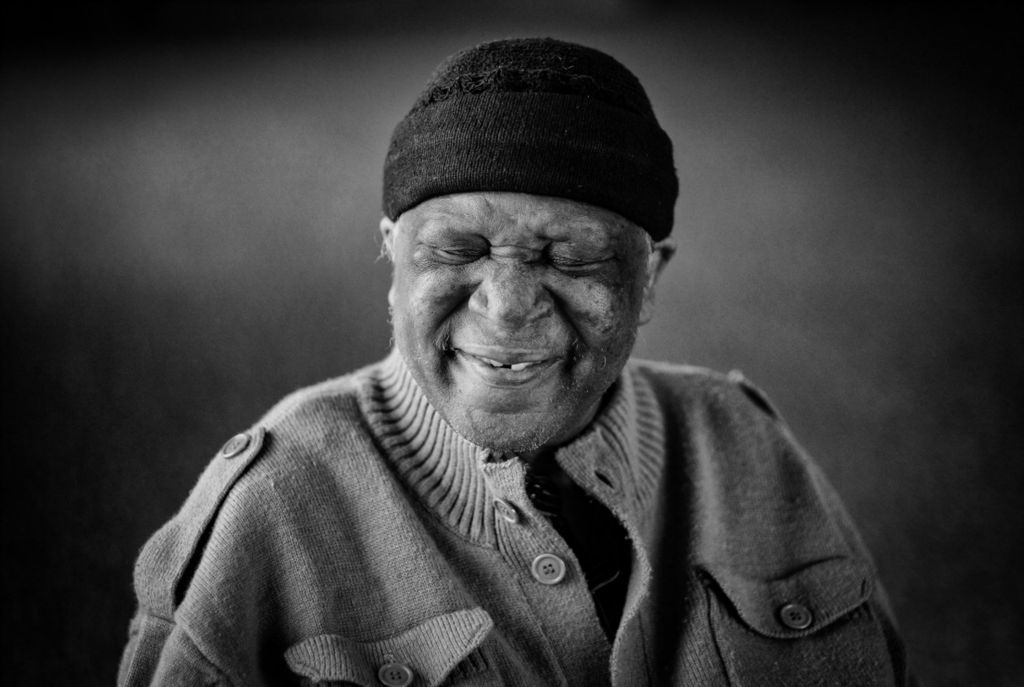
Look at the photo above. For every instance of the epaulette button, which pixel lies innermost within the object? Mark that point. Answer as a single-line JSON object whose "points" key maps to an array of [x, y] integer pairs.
{"points": [[235, 445]]}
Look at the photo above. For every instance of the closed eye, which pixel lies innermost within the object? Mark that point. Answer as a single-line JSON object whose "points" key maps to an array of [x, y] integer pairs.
{"points": [[576, 266], [456, 255]]}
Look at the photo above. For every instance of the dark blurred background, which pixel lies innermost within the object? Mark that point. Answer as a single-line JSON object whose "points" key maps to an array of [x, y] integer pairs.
{"points": [[189, 210]]}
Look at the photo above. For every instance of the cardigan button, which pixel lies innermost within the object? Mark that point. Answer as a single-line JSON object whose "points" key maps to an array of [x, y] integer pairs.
{"points": [[796, 616], [548, 568], [506, 510], [395, 675], [235, 445]]}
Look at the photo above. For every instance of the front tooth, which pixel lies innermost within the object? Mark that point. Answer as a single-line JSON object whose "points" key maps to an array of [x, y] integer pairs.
{"points": [[516, 367]]}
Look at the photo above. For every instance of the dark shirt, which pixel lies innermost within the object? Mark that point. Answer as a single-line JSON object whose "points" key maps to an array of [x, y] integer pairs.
{"points": [[591, 531]]}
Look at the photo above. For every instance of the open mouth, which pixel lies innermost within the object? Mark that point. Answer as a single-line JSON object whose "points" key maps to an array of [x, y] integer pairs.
{"points": [[497, 364], [506, 367]]}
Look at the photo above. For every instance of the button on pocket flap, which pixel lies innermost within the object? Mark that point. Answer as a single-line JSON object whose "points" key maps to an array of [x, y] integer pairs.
{"points": [[799, 603], [430, 651]]}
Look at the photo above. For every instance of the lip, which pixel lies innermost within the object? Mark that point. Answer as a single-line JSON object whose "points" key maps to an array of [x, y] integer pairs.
{"points": [[506, 355], [481, 359]]}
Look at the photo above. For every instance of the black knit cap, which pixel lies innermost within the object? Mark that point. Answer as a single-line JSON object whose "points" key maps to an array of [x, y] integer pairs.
{"points": [[539, 116]]}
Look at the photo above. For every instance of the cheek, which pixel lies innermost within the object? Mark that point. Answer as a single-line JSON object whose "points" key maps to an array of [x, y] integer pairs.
{"points": [[424, 301], [607, 314]]}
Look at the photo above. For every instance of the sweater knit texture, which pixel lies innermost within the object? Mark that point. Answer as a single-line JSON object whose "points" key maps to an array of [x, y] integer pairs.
{"points": [[357, 531]]}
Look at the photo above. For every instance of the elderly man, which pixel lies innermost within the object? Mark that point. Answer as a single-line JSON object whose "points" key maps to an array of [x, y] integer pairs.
{"points": [[508, 498]]}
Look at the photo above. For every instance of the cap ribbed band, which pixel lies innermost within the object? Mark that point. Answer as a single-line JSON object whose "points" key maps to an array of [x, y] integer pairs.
{"points": [[535, 116]]}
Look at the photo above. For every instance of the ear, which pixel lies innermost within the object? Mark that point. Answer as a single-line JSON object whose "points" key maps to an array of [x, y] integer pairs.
{"points": [[660, 254], [387, 238], [387, 250]]}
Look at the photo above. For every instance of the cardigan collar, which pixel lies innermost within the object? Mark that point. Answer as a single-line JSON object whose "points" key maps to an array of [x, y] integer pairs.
{"points": [[617, 458]]}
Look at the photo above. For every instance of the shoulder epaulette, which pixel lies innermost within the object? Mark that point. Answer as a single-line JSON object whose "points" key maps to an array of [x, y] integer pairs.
{"points": [[758, 397]]}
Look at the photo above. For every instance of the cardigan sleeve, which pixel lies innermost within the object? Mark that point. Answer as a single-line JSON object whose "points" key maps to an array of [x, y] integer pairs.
{"points": [[837, 513], [879, 601], [160, 649]]}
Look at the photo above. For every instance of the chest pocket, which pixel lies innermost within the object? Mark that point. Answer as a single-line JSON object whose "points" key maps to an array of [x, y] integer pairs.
{"points": [[807, 628], [439, 652]]}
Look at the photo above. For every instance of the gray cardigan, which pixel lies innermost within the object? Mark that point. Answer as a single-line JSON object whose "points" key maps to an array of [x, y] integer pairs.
{"points": [[351, 537]]}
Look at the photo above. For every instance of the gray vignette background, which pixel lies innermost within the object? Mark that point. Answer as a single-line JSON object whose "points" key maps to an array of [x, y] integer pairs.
{"points": [[189, 210]]}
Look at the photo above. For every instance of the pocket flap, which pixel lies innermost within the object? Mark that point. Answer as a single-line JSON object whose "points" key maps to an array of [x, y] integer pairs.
{"points": [[431, 650], [799, 603]]}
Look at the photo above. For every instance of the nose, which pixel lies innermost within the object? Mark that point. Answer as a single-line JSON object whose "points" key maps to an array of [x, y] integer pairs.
{"points": [[512, 295]]}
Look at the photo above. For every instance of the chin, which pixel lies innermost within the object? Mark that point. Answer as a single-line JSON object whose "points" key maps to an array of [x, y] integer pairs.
{"points": [[508, 434], [524, 432]]}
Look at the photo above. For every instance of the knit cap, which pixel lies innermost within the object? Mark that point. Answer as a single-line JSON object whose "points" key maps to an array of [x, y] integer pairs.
{"points": [[539, 116]]}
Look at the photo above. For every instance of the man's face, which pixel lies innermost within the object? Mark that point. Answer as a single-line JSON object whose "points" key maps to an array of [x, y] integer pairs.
{"points": [[515, 313]]}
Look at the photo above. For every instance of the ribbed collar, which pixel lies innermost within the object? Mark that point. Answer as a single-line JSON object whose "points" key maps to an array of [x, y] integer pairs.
{"points": [[618, 457]]}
